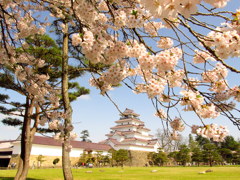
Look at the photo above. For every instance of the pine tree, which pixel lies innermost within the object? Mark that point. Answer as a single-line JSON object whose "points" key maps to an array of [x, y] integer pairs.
{"points": [[41, 47]]}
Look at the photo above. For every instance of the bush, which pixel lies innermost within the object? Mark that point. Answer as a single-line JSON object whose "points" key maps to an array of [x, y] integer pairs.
{"points": [[55, 161]]}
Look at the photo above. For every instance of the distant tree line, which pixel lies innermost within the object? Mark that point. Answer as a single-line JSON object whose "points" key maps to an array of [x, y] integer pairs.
{"points": [[200, 151], [197, 151]]}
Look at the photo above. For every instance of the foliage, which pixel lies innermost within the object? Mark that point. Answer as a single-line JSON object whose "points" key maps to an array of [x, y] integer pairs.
{"points": [[230, 143], [202, 140], [210, 154], [55, 161], [236, 157], [45, 48], [192, 144], [183, 156], [157, 159], [226, 154], [86, 157], [40, 160], [85, 135], [197, 155], [120, 156]]}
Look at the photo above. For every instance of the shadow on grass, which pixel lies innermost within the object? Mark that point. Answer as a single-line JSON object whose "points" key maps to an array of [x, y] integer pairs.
{"points": [[11, 178]]}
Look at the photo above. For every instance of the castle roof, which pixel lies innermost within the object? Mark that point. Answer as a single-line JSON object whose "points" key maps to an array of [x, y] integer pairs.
{"points": [[114, 141], [136, 145], [121, 120], [122, 133], [134, 139], [153, 141], [129, 112], [130, 125]]}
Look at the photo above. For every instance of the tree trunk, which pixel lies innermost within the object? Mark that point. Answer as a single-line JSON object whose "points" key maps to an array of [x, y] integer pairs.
{"points": [[210, 163], [26, 144], [66, 163]]}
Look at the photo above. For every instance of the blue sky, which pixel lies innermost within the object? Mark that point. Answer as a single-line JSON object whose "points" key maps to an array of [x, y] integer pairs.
{"points": [[97, 114]]}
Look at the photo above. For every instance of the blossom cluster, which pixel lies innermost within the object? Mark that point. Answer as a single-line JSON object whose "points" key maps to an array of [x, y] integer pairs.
{"points": [[161, 114], [202, 57], [195, 102], [225, 42], [217, 133], [177, 124], [166, 9], [216, 74], [112, 77]]}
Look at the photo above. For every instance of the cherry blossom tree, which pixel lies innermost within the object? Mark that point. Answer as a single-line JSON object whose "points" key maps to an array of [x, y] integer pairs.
{"points": [[182, 67], [178, 52]]}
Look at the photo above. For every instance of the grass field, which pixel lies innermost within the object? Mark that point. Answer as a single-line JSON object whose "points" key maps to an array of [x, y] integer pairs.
{"points": [[133, 173]]}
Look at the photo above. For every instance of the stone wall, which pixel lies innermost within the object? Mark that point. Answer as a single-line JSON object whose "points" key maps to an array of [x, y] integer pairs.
{"points": [[48, 161], [138, 158]]}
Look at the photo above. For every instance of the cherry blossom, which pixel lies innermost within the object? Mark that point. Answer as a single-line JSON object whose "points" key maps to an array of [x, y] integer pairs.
{"points": [[177, 125], [217, 133], [161, 114]]}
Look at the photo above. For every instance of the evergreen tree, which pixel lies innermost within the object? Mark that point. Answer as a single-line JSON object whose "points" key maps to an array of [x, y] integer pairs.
{"points": [[197, 155], [192, 144], [226, 154], [210, 154], [158, 158], [44, 48], [236, 157], [202, 140], [230, 143], [120, 156], [85, 135], [183, 156], [173, 156]]}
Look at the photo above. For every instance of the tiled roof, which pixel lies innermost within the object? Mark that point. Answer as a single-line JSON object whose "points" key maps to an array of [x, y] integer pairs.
{"points": [[5, 141], [135, 139], [75, 144], [153, 141], [142, 127], [128, 120], [130, 132], [123, 126], [114, 141], [116, 132], [145, 146], [129, 111]]}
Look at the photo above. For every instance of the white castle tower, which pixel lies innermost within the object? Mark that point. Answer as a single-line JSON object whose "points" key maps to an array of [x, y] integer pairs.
{"points": [[130, 133]]}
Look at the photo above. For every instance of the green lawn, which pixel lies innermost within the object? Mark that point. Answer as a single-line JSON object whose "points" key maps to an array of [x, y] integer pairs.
{"points": [[133, 173]]}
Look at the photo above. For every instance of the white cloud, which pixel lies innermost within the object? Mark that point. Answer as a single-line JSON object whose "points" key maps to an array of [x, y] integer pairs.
{"points": [[85, 97]]}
